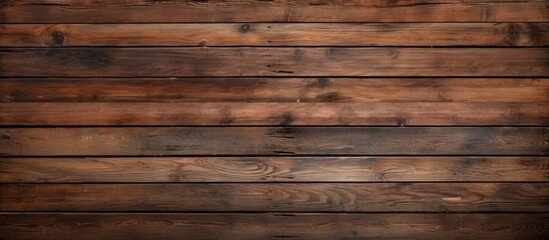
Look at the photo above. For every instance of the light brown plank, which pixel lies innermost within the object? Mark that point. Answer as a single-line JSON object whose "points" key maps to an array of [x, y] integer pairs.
{"points": [[195, 113], [57, 11], [285, 197], [273, 169], [227, 62], [276, 34], [359, 90], [274, 140]]}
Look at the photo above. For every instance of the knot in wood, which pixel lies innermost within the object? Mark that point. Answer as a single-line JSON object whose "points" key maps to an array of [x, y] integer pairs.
{"points": [[58, 37]]}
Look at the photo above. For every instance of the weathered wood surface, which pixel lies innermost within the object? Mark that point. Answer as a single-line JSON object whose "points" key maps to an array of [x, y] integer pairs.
{"points": [[276, 34], [357, 90], [278, 119], [230, 62], [167, 141], [101, 11], [196, 113], [273, 169], [245, 226], [285, 197]]}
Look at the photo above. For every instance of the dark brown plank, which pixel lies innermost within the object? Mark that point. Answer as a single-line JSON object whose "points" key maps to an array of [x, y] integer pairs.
{"points": [[226, 62], [273, 169], [274, 140], [286, 197], [57, 11], [359, 90], [273, 34], [169, 114], [273, 226]]}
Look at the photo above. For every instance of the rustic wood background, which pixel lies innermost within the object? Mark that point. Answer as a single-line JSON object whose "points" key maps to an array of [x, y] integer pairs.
{"points": [[274, 119]]}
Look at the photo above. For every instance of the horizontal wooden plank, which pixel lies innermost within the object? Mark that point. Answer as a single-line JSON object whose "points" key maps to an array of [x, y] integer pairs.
{"points": [[273, 34], [285, 197], [274, 140], [273, 169], [227, 62], [196, 113], [359, 90], [58, 11], [311, 226]]}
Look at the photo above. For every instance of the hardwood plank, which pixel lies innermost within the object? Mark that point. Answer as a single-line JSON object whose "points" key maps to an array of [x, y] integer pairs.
{"points": [[227, 62], [273, 169], [273, 226], [167, 141], [67, 11], [196, 113], [359, 90], [285, 197], [276, 34]]}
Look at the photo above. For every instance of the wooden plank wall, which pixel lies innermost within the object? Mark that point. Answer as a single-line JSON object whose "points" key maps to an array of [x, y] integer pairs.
{"points": [[279, 119]]}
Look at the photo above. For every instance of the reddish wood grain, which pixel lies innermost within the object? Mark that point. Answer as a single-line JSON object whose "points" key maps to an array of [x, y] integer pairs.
{"points": [[170, 114], [356, 90], [95, 11], [273, 169], [276, 34]]}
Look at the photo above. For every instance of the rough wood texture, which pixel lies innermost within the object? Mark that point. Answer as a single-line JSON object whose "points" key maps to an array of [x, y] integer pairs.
{"points": [[276, 34], [274, 226], [224, 62], [359, 90], [67, 11], [274, 140], [286, 197], [273, 169], [389, 114], [274, 119]]}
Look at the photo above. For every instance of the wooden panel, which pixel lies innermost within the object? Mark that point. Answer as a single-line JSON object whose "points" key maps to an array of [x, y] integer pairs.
{"points": [[273, 226], [274, 119], [298, 197], [273, 169], [359, 90], [273, 34], [392, 114], [54, 11], [274, 140], [224, 62]]}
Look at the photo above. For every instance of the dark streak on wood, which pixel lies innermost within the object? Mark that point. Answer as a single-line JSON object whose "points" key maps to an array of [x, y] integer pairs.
{"points": [[92, 58], [268, 140], [318, 62]]}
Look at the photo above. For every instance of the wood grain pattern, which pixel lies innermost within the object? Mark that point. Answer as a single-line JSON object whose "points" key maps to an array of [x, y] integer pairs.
{"points": [[359, 90], [169, 114], [285, 197], [273, 169], [57, 11], [226, 62], [274, 119], [273, 226], [276, 34], [274, 140]]}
